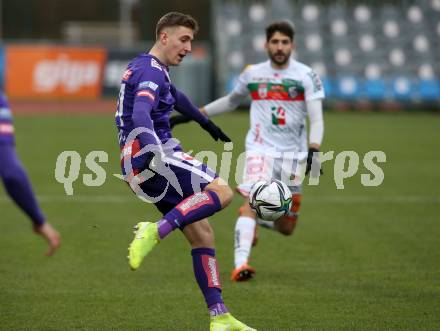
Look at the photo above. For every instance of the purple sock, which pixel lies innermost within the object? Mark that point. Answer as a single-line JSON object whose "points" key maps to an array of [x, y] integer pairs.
{"points": [[207, 276], [17, 183], [194, 208]]}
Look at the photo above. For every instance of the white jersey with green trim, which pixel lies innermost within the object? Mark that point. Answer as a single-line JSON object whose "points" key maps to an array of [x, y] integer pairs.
{"points": [[278, 108]]}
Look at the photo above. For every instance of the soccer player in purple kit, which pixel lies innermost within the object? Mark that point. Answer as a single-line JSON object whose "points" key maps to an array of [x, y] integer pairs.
{"points": [[188, 191], [16, 181]]}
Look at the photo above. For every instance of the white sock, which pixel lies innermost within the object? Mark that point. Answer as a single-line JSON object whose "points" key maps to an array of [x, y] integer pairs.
{"points": [[266, 224], [244, 234]]}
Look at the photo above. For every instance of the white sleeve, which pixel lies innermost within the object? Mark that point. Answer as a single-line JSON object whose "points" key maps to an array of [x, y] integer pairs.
{"points": [[233, 99], [314, 110], [313, 86], [224, 104]]}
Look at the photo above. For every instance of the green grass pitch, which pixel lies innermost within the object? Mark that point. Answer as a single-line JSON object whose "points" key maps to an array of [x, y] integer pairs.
{"points": [[362, 258]]}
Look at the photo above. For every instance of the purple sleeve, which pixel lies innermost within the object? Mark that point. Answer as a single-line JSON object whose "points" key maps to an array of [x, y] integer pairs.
{"points": [[184, 106], [146, 99], [141, 119], [3, 101], [17, 184]]}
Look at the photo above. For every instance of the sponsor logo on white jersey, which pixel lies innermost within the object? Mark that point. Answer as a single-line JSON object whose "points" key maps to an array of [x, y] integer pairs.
{"points": [[262, 90], [263, 79], [71, 75], [293, 93]]}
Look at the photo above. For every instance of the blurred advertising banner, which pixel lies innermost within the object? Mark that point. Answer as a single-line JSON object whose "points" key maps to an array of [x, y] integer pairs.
{"points": [[47, 72], [117, 61]]}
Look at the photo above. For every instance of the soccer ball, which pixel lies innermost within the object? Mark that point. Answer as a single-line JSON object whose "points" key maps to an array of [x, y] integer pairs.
{"points": [[271, 200]]}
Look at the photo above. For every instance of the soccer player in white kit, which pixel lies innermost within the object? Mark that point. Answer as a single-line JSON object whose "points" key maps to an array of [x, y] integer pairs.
{"points": [[284, 93]]}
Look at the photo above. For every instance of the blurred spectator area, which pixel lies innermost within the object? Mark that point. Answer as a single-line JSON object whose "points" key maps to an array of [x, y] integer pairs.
{"points": [[46, 19], [107, 33], [375, 51], [380, 50]]}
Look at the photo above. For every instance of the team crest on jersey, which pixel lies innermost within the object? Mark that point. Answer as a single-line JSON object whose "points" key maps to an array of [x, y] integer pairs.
{"points": [[262, 90], [278, 116], [127, 74], [156, 64]]}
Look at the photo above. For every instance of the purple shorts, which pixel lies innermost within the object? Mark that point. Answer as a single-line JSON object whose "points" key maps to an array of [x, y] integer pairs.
{"points": [[182, 176]]}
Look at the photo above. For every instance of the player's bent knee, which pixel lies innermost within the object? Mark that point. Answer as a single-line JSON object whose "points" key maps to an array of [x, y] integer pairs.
{"points": [[246, 210], [223, 191], [287, 231], [228, 195], [225, 195], [289, 221], [285, 226], [296, 203]]}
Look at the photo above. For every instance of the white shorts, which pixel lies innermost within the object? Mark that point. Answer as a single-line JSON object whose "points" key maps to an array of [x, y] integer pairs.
{"points": [[259, 166]]}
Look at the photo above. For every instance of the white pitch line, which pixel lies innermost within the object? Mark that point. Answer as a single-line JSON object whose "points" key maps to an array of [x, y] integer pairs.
{"points": [[352, 199]]}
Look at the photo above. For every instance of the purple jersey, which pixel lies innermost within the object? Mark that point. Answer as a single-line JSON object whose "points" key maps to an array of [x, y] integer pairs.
{"points": [[6, 126], [146, 90], [146, 100]]}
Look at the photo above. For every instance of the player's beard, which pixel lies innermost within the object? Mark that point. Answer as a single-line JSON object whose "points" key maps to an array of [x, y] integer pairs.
{"points": [[279, 60]]}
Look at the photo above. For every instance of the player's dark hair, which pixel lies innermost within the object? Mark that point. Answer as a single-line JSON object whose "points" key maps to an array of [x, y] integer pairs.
{"points": [[173, 19], [284, 27]]}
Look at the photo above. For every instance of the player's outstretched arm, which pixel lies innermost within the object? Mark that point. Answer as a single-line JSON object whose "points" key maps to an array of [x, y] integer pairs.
{"points": [[314, 110], [221, 105], [179, 119], [224, 104], [184, 106], [215, 132], [189, 111]]}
